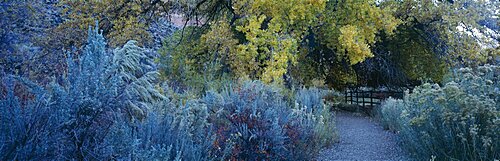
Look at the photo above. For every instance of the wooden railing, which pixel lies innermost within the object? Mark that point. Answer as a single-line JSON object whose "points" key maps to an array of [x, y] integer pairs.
{"points": [[370, 98]]}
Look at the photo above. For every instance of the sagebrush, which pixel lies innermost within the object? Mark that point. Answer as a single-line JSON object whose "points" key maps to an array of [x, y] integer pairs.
{"points": [[457, 121]]}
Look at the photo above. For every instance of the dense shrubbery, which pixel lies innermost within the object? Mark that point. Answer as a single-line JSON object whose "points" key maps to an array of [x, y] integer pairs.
{"points": [[457, 121], [389, 114], [253, 121], [312, 111], [108, 107]]}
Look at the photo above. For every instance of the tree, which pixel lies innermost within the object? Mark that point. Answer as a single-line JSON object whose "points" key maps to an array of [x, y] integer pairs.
{"points": [[121, 20], [430, 41], [22, 25], [275, 39], [345, 36], [452, 27], [269, 34], [354, 27], [402, 60]]}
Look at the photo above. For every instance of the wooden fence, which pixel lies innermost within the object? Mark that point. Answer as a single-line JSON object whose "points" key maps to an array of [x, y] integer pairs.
{"points": [[370, 98]]}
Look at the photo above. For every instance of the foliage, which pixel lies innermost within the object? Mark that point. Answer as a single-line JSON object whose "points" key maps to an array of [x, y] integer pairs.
{"points": [[458, 121], [247, 122], [453, 26], [133, 75], [273, 35], [402, 59], [390, 113], [352, 37], [429, 41], [272, 44], [344, 42], [28, 130], [110, 109], [253, 122], [312, 111], [261, 39], [173, 62], [197, 61], [302, 40], [47, 127], [181, 134], [22, 24], [77, 115], [106, 104], [120, 21]]}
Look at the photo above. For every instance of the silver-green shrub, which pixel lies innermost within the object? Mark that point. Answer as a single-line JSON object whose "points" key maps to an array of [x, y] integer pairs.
{"points": [[457, 121], [109, 107], [390, 114], [88, 117], [133, 79], [253, 121], [311, 112]]}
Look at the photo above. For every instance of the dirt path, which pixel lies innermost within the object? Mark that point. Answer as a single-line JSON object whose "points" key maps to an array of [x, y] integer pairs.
{"points": [[362, 139]]}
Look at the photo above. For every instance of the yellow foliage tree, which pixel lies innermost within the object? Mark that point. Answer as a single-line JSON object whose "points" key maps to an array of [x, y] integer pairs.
{"points": [[350, 27], [266, 39], [121, 20], [272, 32], [267, 35], [453, 27]]}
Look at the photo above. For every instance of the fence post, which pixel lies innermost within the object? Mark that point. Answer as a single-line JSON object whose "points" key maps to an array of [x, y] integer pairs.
{"points": [[363, 98], [345, 96], [357, 97], [351, 96], [371, 98]]}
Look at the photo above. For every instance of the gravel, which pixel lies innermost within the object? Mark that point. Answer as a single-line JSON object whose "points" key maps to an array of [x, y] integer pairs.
{"points": [[361, 138]]}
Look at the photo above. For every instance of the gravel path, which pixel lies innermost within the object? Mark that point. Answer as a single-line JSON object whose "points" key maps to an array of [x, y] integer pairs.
{"points": [[362, 139]]}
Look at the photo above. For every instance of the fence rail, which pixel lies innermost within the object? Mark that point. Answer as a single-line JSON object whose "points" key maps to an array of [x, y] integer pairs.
{"points": [[371, 97]]}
